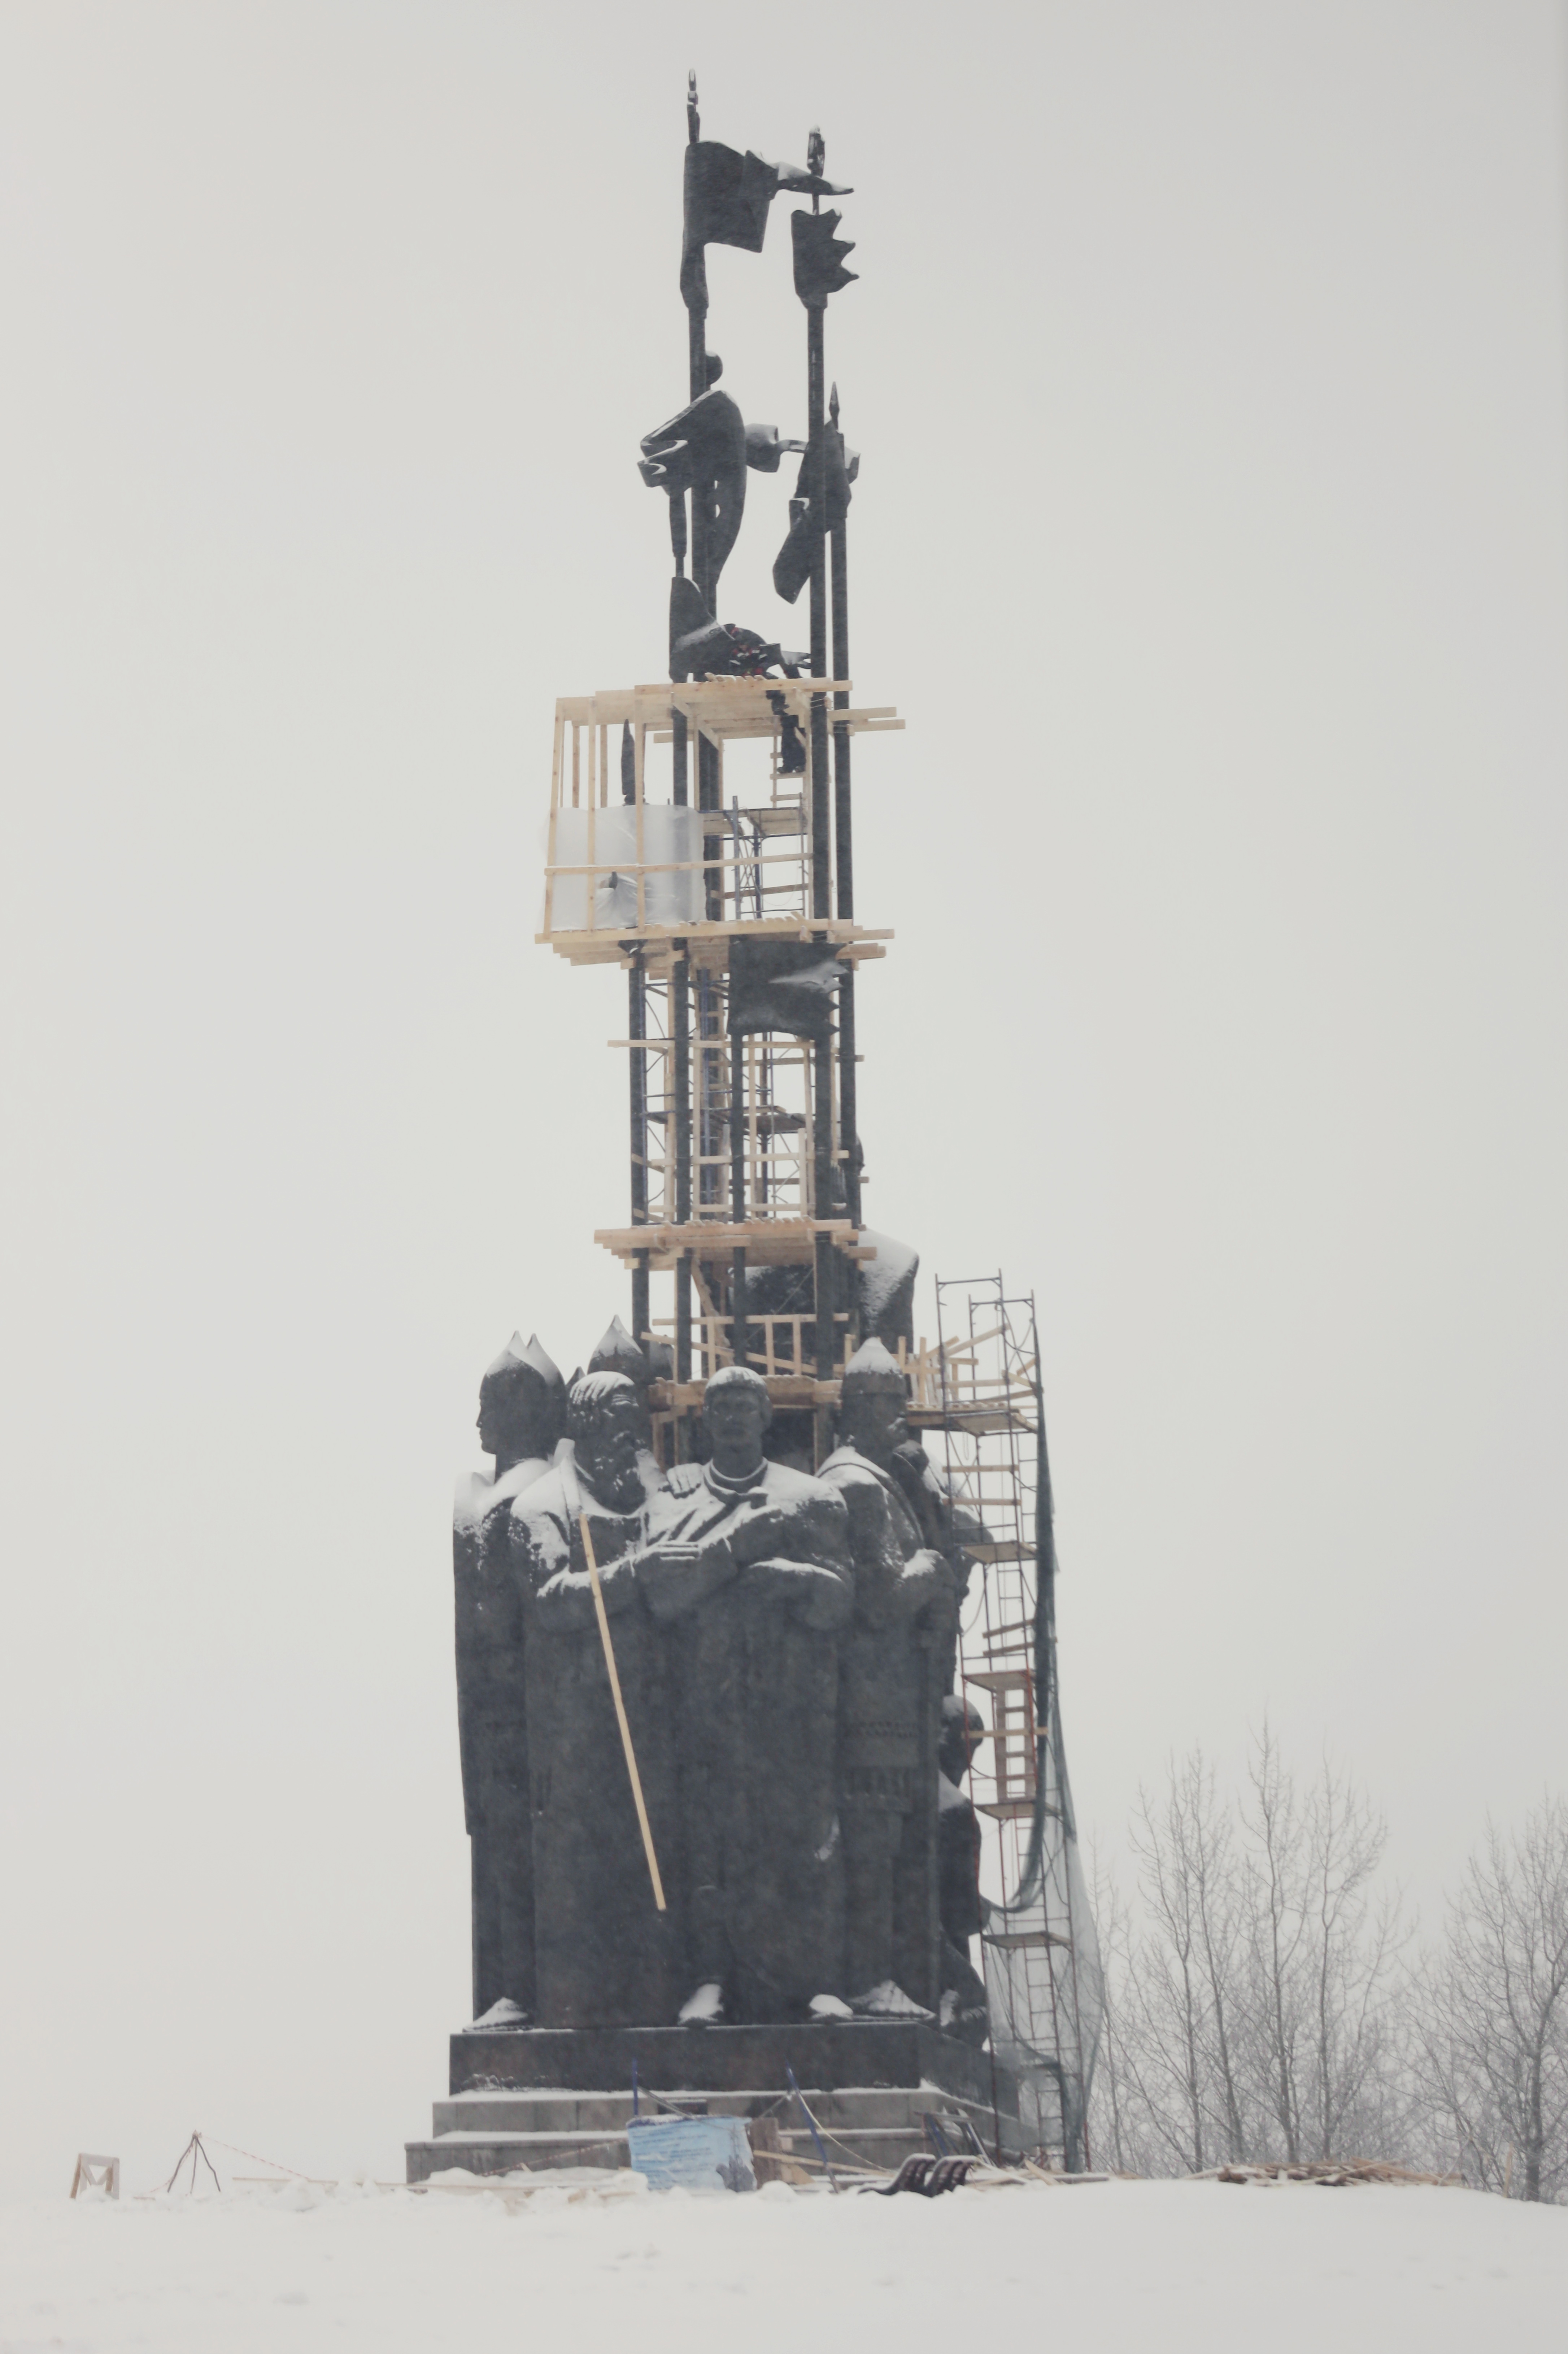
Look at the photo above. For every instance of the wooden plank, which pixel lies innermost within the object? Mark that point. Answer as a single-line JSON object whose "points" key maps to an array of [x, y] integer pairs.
{"points": [[976, 1422], [592, 813], [550, 855], [784, 1389], [718, 699], [709, 942], [599, 946], [774, 1242]]}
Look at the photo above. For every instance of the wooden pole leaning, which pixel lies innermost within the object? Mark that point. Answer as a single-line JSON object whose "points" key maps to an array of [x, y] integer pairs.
{"points": [[636, 1778]]}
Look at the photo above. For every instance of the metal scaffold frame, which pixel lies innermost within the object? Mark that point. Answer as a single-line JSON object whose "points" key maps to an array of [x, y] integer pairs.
{"points": [[981, 1390]]}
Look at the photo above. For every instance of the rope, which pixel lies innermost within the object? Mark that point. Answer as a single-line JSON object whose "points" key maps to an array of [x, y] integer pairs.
{"points": [[812, 2121], [234, 2148]]}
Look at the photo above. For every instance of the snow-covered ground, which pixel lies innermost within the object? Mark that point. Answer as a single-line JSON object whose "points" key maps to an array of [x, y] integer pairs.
{"points": [[1164, 2267]]}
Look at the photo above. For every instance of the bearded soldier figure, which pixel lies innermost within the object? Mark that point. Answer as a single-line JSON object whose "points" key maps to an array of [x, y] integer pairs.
{"points": [[894, 1667], [604, 1951], [746, 1566], [522, 1405]]}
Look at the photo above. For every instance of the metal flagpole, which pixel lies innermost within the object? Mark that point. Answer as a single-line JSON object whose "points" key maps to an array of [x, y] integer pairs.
{"points": [[843, 848], [824, 1271]]}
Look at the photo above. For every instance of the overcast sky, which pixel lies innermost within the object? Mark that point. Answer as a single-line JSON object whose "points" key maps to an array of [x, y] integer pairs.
{"points": [[1208, 367]]}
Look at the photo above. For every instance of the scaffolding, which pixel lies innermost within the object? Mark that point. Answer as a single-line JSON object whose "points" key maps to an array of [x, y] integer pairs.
{"points": [[689, 829], [622, 860], [979, 1391]]}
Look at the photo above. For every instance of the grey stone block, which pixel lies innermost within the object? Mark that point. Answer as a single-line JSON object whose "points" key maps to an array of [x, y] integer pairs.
{"points": [[676, 2060]]}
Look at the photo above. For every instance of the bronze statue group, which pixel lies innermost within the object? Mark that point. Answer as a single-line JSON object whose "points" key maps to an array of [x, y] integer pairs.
{"points": [[785, 1646]]}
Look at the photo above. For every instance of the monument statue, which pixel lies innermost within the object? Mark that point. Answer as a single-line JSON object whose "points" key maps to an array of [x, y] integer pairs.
{"points": [[520, 1419], [714, 1741], [747, 1567], [781, 1644]]}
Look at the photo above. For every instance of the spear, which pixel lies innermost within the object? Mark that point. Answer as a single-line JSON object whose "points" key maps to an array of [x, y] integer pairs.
{"points": [[635, 1777]]}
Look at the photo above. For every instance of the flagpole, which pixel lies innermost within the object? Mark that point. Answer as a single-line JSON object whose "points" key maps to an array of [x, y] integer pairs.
{"points": [[844, 850], [825, 1271], [678, 1145]]}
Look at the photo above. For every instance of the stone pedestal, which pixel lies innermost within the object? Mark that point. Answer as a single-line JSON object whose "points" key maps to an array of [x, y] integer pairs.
{"points": [[561, 2096]]}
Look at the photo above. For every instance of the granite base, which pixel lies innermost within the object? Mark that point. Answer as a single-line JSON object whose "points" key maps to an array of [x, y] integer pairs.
{"points": [[561, 2096]]}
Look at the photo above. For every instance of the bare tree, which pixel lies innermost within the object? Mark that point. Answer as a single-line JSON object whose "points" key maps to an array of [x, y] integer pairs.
{"points": [[1179, 2090], [1492, 2012], [1353, 1941], [1252, 2001], [1277, 1878], [1219, 1915], [1171, 1998], [1117, 2131], [1324, 1949], [1257, 2006]]}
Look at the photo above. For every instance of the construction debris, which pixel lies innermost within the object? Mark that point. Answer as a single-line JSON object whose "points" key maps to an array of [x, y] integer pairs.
{"points": [[1333, 2173]]}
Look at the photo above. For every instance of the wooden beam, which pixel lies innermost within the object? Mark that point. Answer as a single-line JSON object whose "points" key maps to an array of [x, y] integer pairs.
{"points": [[771, 1242]]}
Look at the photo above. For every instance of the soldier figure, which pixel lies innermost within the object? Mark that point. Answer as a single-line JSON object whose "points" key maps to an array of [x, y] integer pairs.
{"points": [[892, 1670], [618, 1352], [603, 1950], [521, 1411], [746, 1564], [964, 2011]]}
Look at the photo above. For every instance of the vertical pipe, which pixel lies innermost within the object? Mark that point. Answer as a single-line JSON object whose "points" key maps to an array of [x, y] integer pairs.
{"points": [[823, 1271], [702, 516], [844, 850], [849, 1133], [680, 1029], [709, 1184], [680, 979], [816, 430], [708, 799], [821, 1127], [740, 1338], [637, 1028], [825, 1266]]}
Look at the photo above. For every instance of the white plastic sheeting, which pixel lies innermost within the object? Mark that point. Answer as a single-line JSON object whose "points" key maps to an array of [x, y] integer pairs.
{"points": [[669, 836]]}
